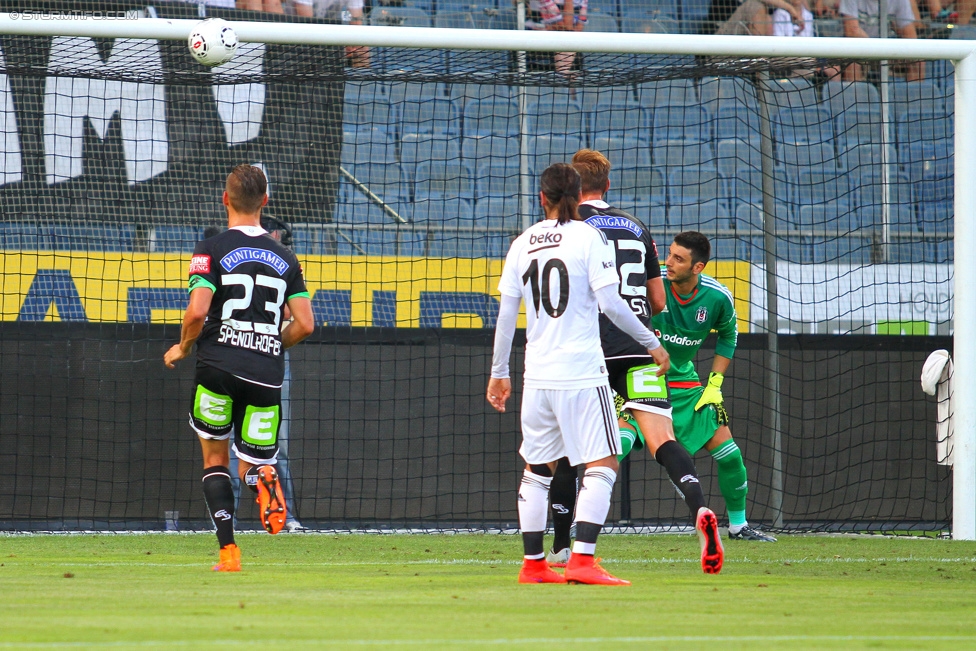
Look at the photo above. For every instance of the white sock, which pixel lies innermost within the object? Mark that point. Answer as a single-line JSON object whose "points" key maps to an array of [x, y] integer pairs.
{"points": [[533, 502], [592, 505]]}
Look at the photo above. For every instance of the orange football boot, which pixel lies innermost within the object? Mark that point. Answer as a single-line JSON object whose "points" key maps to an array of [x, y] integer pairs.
{"points": [[230, 559], [712, 553], [537, 571], [583, 568], [271, 500]]}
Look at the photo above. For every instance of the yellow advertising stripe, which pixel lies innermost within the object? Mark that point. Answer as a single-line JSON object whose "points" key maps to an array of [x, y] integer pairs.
{"points": [[102, 282]]}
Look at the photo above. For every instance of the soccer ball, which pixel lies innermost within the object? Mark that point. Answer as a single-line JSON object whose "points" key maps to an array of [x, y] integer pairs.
{"points": [[213, 42]]}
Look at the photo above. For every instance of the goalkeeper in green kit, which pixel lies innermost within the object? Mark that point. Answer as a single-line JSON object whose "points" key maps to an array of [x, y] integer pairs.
{"points": [[696, 304]]}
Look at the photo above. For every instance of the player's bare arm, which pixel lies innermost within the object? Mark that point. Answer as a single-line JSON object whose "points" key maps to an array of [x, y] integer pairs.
{"points": [[193, 320], [655, 295], [302, 324]]}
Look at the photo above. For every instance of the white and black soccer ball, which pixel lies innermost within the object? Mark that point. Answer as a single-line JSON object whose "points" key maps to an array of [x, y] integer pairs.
{"points": [[213, 42]]}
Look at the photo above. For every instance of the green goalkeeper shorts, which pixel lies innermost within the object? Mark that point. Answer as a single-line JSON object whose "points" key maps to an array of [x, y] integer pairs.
{"points": [[693, 429]]}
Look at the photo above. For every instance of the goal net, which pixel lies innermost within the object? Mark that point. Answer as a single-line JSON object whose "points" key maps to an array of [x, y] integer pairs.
{"points": [[403, 174]]}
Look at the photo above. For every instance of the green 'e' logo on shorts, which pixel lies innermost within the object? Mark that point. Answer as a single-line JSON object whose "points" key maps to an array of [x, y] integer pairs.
{"points": [[212, 408], [643, 383], [260, 425]]}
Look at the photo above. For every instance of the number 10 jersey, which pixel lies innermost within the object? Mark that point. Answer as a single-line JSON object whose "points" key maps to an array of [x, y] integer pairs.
{"points": [[556, 268], [252, 276]]}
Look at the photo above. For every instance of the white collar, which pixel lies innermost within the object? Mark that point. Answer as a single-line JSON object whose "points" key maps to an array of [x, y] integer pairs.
{"points": [[599, 204], [252, 231]]}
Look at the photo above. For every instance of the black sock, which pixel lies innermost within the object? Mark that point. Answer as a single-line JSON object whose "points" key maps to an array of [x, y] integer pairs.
{"points": [[681, 470], [586, 532], [220, 500], [532, 544], [562, 503]]}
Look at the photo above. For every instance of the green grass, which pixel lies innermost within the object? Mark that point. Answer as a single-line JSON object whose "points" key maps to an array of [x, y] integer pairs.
{"points": [[424, 591]]}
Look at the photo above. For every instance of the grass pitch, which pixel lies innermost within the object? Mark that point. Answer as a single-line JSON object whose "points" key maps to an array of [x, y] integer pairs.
{"points": [[300, 591]]}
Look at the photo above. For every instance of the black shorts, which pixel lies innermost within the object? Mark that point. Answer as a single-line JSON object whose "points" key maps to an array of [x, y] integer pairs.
{"points": [[633, 377], [224, 404]]}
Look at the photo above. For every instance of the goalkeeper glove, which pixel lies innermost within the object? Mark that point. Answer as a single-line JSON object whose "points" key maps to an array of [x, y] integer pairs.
{"points": [[712, 395]]}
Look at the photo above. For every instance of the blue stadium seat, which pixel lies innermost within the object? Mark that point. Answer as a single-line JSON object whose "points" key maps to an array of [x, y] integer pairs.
{"points": [[841, 96], [936, 217], [637, 184], [749, 216], [547, 150], [929, 166], [680, 123], [455, 17], [491, 116], [735, 120], [716, 91], [467, 243], [498, 212], [366, 147], [442, 211], [938, 251], [360, 211], [418, 147], [403, 91], [554, 115], [601, 22], [693, 15], [734, 155], [707, 216], [434, 115], [845, 250], [392, 58], [866, 156], [667, 92], [623, 151], [443, 179], [678, 153], [367, 112], [925, 124], [906, 252], [412, 242], [174, 238], [498, 178], [632, 9], [461, 94], [901, 217], [790, 93], [384, 180], [366, 241], [694, 184], [802, 126], [859, 126], [659, 25], [479, 149], [832, 216], [614, 116], [653, 215], [87, 237], [820, 184], [923, 96]]}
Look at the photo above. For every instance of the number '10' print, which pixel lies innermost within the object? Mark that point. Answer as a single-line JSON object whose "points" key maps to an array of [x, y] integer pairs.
{"points": [[531, 276]]}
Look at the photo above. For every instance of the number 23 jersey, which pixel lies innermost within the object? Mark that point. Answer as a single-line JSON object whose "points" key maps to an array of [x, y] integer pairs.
{"points": [[252, 276], [556, 268]]}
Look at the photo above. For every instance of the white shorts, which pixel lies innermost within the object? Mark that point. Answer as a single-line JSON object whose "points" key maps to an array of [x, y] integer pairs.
{"points": [[579, 423]]}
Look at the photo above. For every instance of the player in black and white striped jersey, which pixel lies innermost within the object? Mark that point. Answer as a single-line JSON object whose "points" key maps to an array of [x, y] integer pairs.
{"points": [[565, 271]]}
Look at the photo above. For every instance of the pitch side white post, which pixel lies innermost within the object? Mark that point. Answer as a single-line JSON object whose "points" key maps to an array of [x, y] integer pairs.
{"points": [[964, 312]]}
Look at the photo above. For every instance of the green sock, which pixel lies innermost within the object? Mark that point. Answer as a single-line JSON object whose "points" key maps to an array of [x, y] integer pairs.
{"points": [[732, 481], [627, 438]]}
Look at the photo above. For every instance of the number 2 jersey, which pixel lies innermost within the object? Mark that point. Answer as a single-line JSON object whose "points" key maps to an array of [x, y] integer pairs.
{"points": [[555, 268], [636, 263], [252, 276]]}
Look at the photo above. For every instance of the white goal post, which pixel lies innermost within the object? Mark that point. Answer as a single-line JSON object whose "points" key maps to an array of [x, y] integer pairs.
{"points": [[962, 53]]}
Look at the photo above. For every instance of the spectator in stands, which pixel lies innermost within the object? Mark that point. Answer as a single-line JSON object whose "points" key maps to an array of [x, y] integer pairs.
{"points": [[951, 11], [750, 17], [861, 21], [560, 15], [339, 11], [783, 24]]}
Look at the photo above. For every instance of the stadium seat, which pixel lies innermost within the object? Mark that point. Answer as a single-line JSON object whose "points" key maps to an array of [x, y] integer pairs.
{"points": [[694, 184], [859, 125], [632, 9], [693, 15], [366, 241], [367, 112], [467, 243], [802, 126], [361, 211], [547, 150], [842, 96], [637, 184], [652, 215], [936, 217], [384, 180], [820, 184], [660, 25], [491, 116], [443, 179], [923, 96], [86, 237], [174, 238], [929, 166], [831, 216], [667, 92], [601, 23], [844, 249], [708, 216], [790, 93], [365, 147], [502, 149], [400, 91], [442, 211], [617, 116], [734, 155], [553, 115], [623, 151], [460, 94], [498, 212], [431, 115], [498, 178], [18, 236], [901, 217], [412, 242], [678, 153], [418, 147], [680, 123], [734, 120], [715, 91], [392, 58], [749, 217]]}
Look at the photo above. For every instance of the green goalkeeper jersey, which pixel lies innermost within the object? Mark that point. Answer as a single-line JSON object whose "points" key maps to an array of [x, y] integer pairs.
{"points": [[687, 320]]}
